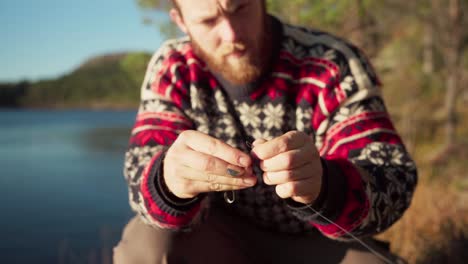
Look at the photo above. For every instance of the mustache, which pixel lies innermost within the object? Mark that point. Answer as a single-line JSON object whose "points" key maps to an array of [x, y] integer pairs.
{"points": [[227, 48]]}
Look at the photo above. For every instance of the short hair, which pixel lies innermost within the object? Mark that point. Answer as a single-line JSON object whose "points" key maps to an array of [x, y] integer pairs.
{"points": [[177, 7]]}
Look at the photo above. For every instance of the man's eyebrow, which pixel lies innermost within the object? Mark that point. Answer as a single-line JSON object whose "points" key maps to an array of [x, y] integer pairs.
{"points": [[232, 8], [204, 16]]}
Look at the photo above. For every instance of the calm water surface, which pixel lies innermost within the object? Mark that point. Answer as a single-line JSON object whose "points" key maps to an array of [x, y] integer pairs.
{"points": [[63, 198]]}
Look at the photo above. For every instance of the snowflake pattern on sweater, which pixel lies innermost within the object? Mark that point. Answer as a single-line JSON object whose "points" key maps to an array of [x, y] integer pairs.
{"points": [[320, 85]]}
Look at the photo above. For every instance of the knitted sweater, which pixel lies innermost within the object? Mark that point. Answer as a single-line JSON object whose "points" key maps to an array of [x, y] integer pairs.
{"points": [[317, 84]]}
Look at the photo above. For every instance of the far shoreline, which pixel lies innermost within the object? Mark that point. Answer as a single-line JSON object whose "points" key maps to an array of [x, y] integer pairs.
{"points": [[91, 107]]}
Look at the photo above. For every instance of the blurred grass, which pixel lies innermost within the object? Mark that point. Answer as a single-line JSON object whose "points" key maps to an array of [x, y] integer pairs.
{"points": [[435, 227]]}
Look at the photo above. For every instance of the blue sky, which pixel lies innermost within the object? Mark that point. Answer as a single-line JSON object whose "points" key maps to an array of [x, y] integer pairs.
{"points": [[47, 38]]}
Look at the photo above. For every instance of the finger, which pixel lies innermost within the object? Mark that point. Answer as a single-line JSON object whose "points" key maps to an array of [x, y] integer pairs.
{"points": [[192, 182], [258, 141], [197, 187], [210, 164], [304, 199], [289, 141], [287, 160], [211, 146], [306, 188], [250, 171], [199, 176], [280, 177]]}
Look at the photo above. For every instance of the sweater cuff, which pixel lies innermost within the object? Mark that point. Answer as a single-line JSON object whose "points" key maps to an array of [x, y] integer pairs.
{"points": [[168, 198], [329, 202]]}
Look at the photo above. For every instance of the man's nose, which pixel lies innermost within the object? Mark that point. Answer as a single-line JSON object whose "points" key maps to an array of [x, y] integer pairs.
{"points": [[228, 31]]}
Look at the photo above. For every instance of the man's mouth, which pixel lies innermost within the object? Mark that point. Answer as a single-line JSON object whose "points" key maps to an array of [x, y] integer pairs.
{"points": [[237, 53], [232, 49]]}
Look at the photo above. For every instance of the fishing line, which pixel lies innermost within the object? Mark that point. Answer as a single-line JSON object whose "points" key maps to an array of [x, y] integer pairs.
{"points": [[374, 252]]}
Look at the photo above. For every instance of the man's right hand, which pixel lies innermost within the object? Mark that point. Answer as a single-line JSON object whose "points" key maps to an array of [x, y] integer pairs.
{"points": [[198, 163]]}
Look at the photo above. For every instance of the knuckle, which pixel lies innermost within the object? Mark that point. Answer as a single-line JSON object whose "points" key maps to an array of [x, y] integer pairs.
{"points": [[289, 175], [210, 178], [209, 164], [288, 160], [237, 157], [239, 182], [292, 189], [212, 146], [283, 145], [184, 186], [295, 135], [171, 171], [183, 135], [235, 181], [177, 171], [291, 134], [214, 186], [171, 152]]}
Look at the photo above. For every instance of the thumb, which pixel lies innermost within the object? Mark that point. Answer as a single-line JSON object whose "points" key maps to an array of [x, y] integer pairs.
{"points": [[258, 142]]}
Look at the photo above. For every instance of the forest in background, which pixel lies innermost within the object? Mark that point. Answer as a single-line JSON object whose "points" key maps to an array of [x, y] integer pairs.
{"points": [[420, 51], [109, 81]]}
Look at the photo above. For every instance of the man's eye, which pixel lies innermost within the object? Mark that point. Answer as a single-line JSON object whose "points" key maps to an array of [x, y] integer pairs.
{"points": [[209, 22], [242, 8]]}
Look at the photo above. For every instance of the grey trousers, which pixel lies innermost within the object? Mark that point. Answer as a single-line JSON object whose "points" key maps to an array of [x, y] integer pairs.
{"points": [[224, 238]]}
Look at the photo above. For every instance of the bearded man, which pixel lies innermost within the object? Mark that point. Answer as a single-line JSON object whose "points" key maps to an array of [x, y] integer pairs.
{"points": [[261, 142]]}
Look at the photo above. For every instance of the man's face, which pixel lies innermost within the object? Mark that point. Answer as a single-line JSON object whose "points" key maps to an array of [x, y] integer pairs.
{"points": [[229, 35]]}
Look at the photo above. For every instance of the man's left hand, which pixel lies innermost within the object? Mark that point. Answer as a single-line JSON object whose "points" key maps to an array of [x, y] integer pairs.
{"points": [[292, 163]]}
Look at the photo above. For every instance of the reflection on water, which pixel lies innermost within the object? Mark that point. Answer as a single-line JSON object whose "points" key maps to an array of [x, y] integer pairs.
{"points": [[64, 199], [106, 139]]}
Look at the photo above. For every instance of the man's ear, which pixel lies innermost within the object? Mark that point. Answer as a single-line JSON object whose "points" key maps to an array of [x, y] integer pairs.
{"points": [[176, 17]]}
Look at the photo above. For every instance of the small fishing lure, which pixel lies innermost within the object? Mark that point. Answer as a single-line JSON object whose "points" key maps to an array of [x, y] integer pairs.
{"points": [[230, 196]]}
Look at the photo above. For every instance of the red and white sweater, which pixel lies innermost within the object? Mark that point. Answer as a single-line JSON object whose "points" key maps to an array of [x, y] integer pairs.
{"points": [[318, 84]]}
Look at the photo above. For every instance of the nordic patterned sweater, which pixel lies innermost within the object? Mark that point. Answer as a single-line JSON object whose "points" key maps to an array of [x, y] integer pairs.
{"points": [[318, 84]]}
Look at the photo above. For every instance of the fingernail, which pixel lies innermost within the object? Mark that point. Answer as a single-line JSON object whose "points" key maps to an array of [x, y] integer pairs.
{"points": [[258, 141], [254, 143], [250, 181], [232, 172]]}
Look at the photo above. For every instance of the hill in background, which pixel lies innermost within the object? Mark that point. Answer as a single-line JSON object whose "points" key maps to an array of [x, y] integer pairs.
{"points": [[106, 81]]}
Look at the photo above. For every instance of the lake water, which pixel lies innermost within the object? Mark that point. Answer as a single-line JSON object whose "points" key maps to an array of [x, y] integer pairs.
{"points": [[63, 198]]}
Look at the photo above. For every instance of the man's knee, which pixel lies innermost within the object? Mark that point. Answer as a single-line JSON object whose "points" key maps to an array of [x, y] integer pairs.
{"points": [[142, 243]]}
